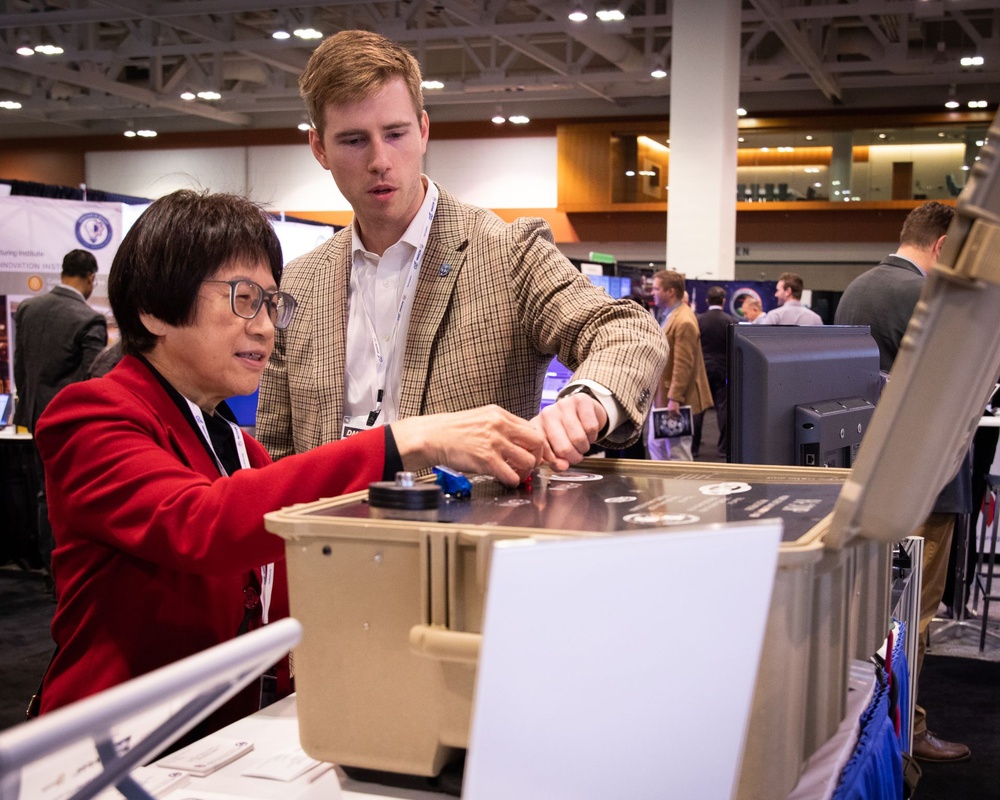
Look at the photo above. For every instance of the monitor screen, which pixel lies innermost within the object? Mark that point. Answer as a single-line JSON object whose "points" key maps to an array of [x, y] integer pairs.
{"points": [[782, 378], [6, 409], [614, 285]]}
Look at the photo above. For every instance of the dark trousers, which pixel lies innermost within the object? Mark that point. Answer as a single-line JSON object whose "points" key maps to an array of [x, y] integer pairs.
{"points": [[717, 383], [46, 541]]}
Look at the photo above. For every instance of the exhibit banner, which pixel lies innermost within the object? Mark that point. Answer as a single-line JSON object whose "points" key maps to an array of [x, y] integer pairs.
{"points": [[36, 232]]}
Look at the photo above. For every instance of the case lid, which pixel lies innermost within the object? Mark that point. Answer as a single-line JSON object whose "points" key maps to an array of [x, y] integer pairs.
{"points": [[942, 378]]}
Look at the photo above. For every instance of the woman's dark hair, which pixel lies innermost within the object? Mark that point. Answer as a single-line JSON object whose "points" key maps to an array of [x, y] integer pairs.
{"points": [[180, 240]]}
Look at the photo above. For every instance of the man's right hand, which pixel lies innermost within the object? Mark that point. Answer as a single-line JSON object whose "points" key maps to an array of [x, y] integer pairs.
{"points": [[486, 441]]}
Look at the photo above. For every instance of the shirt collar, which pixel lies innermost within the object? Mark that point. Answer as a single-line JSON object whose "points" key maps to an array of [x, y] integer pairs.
{"points": [[910, 261], [74, 290]]}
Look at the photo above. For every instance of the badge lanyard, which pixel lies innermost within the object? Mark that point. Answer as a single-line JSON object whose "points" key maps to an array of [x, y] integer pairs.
{"points": [[382, 358], [267, 570]]}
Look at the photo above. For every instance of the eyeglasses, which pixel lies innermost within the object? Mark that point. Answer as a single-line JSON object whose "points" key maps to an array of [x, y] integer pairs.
{"points": [[247, 297]]}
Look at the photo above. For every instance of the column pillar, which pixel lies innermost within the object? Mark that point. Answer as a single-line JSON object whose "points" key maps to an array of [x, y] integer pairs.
{"points": [[704, 96]]}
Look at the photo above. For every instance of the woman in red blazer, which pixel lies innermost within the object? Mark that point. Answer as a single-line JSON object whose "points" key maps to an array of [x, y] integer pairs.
{"points": [[156, 496]]}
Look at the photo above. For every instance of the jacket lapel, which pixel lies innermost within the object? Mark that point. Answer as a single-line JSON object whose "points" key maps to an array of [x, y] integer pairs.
{"points": [[435, 284], [331, 290]]}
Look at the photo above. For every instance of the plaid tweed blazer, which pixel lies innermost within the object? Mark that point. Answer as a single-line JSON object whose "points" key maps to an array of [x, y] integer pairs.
{"points": [[493, 303]]}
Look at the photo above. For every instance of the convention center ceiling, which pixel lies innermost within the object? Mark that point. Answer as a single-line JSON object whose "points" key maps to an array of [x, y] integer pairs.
{"points": [[90, 67]]}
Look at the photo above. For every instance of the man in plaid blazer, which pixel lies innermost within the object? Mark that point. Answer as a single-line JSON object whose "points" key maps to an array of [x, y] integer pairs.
{"points": [[425, 304]]}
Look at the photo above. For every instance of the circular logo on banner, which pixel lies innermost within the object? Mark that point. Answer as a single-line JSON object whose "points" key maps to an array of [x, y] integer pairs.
{"points": [[35, 283], [736, 301], [93, 231]]}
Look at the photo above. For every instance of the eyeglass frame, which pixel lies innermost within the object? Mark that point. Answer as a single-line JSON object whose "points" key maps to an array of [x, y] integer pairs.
{"points": [[266, 298]]}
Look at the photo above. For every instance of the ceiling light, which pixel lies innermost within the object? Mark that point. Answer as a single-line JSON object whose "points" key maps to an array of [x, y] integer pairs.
{"points": [[809, 137], [658, 72], [130, 134], [740, 139], [972, 61], [210, 95], [741, 112], [630, 173], [977, 104], [282, 35], [308, 33], [519, 119], [187, 95], [10, 105], [499, 119], [304, 127], [25, 50], [610, 15], [980, 142], [952, 104], [881, 136], [49, 49], [146, 133], [577, 14], [431, 85]]}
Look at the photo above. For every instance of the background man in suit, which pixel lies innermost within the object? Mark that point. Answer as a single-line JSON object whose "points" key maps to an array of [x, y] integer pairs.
{"points": [[683, 381], [884, 298], [714, 328], [57, 336], [425, 304], [790, 310]]}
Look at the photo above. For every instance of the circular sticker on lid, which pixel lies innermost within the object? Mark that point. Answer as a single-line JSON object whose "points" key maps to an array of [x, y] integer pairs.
{"points": [[666, 520], [727, 487], [572, 475]]}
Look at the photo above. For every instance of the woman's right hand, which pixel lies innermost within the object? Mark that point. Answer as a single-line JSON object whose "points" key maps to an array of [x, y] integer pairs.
{"points": [[485, 441]]}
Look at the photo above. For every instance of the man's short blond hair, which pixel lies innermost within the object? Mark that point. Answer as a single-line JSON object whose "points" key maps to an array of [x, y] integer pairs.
{"points": [[353, 65]]}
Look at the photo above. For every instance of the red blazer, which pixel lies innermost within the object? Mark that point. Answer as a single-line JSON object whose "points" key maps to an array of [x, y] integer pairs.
{"points": [[153, 546]]}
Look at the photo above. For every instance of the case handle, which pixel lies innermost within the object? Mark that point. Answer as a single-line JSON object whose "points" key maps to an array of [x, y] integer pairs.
{"points": [[441, 644]]}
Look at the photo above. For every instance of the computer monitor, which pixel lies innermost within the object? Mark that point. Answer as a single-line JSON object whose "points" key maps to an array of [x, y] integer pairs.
{"points": [[800, 396], [96, 742], [6, 410]]}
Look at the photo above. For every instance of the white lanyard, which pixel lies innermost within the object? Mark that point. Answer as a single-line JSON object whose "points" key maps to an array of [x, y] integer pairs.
{"points": [[267, 570], [382, 359]]}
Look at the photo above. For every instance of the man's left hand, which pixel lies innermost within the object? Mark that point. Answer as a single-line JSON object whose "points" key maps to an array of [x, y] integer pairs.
{"points": [[571, 425]]}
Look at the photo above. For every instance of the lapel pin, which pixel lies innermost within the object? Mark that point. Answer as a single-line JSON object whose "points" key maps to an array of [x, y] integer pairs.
{"points": [[445, 269]]}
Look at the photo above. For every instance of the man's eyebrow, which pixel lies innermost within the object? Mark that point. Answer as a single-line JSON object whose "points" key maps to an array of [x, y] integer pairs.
{"points": [[392, 126]]}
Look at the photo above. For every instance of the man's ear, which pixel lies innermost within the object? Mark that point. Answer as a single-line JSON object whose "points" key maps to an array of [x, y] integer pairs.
{"points": [[938, 245], [318, 148], [154, 325]]}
